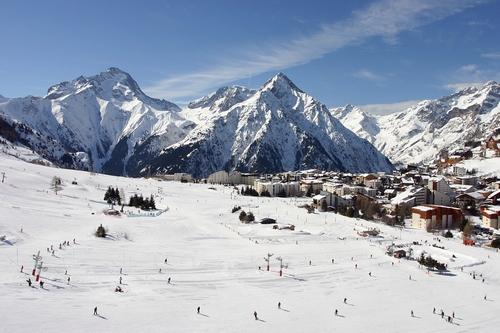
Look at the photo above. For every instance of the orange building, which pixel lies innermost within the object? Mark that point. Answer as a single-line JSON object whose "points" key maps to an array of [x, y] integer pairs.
{"points": [[432, 217]]}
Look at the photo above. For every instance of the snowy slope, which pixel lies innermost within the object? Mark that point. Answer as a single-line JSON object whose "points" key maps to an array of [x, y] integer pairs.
{"points": [[278, 127], [483, 167], [213, 262], [420, 132]]}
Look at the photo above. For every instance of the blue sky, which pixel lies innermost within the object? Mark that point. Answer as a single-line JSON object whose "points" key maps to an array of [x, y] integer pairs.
{"points": [[359, 52]]}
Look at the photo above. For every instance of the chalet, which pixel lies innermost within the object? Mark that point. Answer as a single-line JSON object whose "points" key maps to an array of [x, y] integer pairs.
{"points": [[469, 200], [399, 254], [432, 217], [466, 180], [494, 198]]}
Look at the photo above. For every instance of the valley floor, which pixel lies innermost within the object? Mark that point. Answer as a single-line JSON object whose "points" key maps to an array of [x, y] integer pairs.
{"points": [[213, 263]]}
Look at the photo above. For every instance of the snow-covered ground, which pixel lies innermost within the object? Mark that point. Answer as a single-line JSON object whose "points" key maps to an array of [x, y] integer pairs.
{"points": [[213, 262], [484, 167]]}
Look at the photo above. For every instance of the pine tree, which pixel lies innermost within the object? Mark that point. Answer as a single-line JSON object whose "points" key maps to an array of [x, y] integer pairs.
{"points": [[152, 204], [309, 191], [324, 206]]}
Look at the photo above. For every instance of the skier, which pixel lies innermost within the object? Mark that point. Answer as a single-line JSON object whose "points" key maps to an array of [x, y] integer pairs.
{"points": [[168, 280], [336, 312], [41, 284], [279, 305], [68, 279], [95, 311], [22, 268], [198, 310], [310, 262], [74, 241], [412, 313], [442, 313], [333, 261], [165, 260], [370, 273], [120, 280], [485, 297], [255, 315], [409, 277], [356, 266], [29, 282], [453, 314], [345, 300], [434, 310], [159, 271]]}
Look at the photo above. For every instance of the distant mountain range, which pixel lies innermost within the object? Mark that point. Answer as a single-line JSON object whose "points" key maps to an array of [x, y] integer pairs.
{"points": [[418, 133], [106, 123]]}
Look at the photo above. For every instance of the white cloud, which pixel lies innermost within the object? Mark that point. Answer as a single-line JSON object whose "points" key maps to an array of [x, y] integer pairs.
{"points": [[383, 109], [491, 55], [385, 18], [470, 75], [368, 75], [458, 86]]}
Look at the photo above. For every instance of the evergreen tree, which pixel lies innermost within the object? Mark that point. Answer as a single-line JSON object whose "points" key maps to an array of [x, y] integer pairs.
{"points": [[309, 191], [243, 216], [152, 204], [265, 193], [324, 206]]}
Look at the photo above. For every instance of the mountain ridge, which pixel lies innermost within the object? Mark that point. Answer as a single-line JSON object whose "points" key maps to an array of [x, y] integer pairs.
{"points": [[106, 123], [418, 133]]}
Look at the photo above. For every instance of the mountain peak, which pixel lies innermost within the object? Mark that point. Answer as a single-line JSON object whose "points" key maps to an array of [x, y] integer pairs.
{"points": [[223, 98], [279, 84]]}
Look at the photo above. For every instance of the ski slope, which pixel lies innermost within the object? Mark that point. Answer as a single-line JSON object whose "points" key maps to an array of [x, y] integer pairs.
{"points": [[213, 263]]}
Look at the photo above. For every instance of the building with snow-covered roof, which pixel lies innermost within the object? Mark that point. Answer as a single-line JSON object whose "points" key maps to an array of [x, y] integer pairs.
{"points": [[441, 192], [469, 200], [435, 217], [494, 198], [289, 189], [491, 217]]}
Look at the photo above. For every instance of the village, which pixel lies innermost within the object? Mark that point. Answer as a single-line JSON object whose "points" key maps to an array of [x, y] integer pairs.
{"points": [[435, 197]]}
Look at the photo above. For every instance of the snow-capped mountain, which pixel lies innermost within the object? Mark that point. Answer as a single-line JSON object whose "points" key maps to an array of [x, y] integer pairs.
{"points": [[106, 123], [93, 122], [420, 132], [278, 127]]}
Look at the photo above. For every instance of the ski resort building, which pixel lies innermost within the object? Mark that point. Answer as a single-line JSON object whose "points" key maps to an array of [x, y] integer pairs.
{"points": [[290, 189], [432, 217], [491, 217], [441, 192]]}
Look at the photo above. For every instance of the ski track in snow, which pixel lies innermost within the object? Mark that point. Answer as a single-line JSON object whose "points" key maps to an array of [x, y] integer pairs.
{"points": [[213, 261]]}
